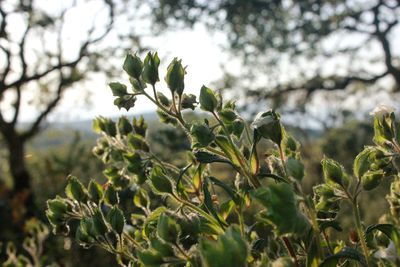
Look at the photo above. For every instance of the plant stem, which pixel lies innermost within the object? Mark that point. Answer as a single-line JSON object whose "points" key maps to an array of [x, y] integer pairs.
{"points": [[290, 250], [200, 211], [241, 220], [360, 231]]}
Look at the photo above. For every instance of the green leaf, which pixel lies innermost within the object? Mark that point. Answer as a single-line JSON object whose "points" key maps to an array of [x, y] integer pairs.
{"points": [[207, 157], [295, 168], [231, 152], [160, 181], [180, 188], [137, 142], [235, 197], [227, 115], [209, 203], [127, 102], [111, 196], [229, 250], [188, 101], [99, 226], [75, 190], [371, 179], [57, 206], [276, 177], [333, 171], [124, 126], [346, 253], [95, 191], [387, 229], [281, 209], [150, 257], [202, 135], [118, 89], [208, 100], [330, 224], [362, 162], [168, 229], [116, 219], [163, 99]]}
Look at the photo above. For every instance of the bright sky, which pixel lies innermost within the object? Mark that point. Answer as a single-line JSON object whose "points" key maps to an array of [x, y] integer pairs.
{"points": [[198, 49]]}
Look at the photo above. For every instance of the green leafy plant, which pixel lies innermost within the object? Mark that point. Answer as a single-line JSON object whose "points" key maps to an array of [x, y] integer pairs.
{"points": [[33, 244], [153, 213]]}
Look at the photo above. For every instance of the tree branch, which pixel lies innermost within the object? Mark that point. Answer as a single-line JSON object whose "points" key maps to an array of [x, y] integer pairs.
{"points": [[317, 83]]}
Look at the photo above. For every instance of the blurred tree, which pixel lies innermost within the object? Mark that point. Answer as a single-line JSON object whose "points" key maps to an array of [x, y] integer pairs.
{"points": [[319, 45], [43, 54]]}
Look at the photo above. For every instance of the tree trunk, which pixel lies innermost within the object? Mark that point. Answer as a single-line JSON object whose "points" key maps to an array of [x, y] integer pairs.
{"points": [[22, 201]]}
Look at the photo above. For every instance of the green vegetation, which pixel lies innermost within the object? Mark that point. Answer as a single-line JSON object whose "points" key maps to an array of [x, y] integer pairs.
{"points": [[151, 212]]}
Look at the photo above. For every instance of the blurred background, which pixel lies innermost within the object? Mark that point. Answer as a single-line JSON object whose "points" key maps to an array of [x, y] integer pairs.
{"points": [[324, 65]]}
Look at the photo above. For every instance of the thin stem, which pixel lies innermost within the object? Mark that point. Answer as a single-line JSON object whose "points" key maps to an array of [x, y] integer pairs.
{"points": [[328, 242], [360, 231], [133, 241], [290, 250], [185, 255], [200, 211], [155, 94], [241, 220], [243, 163]]}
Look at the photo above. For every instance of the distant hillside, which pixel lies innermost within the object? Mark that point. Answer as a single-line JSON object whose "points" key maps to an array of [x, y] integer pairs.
{"points": [[57, 134]]}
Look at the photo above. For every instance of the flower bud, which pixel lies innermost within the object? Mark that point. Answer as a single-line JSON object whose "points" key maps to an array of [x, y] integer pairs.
{"points": [[371, 179], [333, 171], [268, 125], [150, 69], [208, 100], [133, 66], [175, 76], [382, 111]]}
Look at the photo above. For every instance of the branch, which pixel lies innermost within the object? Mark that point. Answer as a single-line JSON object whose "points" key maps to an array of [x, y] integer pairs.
{"points": [[318, 83], [382, 38], [64, 82], [35, 126]]}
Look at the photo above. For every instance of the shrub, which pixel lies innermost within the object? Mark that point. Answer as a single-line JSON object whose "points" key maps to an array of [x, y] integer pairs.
{"points": [[153, 213]]}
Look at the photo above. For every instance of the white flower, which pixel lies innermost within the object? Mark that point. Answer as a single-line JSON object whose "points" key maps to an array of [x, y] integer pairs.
{"points": [[388, 253], [381, 110]]}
